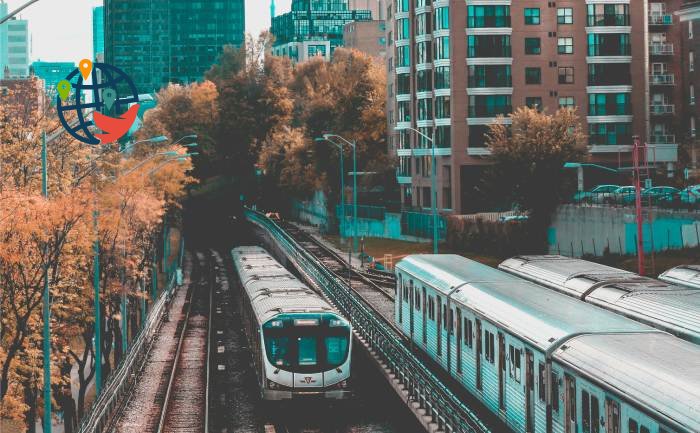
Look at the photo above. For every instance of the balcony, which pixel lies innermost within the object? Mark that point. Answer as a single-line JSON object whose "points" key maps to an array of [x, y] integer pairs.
{"points": [[662, 79], [660, 49], [662, 109], [662, 139], [660, 19], [403, 178]]}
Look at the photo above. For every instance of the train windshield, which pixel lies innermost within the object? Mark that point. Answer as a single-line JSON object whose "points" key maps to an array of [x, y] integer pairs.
{"points": [[306, 347]]}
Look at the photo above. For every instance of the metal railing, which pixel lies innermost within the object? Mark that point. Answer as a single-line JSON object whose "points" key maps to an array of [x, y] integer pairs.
{"points": [[662, 79], [660, 48], [662, 19], [120, 382], [444, 408], [420, 224], [662, 108], [662, 139]]}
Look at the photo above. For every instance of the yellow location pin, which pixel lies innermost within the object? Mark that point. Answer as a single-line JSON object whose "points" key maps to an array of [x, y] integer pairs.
{"points": [[85, 68]]}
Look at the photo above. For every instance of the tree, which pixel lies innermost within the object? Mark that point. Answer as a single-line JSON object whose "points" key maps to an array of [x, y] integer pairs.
{"points": [[529, 159]]}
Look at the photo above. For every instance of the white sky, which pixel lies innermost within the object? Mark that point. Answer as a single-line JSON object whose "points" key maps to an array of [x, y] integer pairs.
{"points": [[56, 36]]}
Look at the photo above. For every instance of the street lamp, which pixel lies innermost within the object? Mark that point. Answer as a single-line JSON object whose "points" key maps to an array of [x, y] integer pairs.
{"points": [[152, 140], [352, 144], [433, 176], [342, 178], [16, 11]]}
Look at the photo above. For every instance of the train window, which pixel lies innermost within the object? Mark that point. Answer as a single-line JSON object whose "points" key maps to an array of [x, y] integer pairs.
{"points": [[278, 351], [417, 301], [336, 349], [468, 337], [633, 427], [431, 308], [451, 322], [555, 392], [398, 286], [515, 363], [307, 351], [490, 350], [444, 316], [542, 389], [585, 412], [643, 429], [595, 415]]}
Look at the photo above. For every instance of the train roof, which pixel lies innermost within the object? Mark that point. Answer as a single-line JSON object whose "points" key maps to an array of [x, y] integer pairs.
{"points": [[271, 288], [657, 370], [533, 313], [669, 307], [686, 275]]}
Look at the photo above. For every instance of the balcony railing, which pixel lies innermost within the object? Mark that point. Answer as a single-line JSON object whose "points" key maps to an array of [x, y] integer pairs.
{"points": [[660, 49], [662, 109], [662, 79], [489, 110], [608, 20], [660, 19], [662, 139]]}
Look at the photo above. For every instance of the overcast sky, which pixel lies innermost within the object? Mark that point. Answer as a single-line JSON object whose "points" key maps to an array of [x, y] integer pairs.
{"points": [[61, 30]]}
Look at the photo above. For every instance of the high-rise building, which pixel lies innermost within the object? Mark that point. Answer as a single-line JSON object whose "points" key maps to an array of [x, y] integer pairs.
{"points": [[158, 42], [454, 69], [366, 36], [687, 71], [52, 73], [313, 28], [98, 32], [14, 46]]}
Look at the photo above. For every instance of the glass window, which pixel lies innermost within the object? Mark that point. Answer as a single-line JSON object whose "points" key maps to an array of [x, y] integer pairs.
{"points": [[555, 392], [336, 350], [490, 348], [533, 75], [307, 351], [442, 48], [442, 107], [403, 56], [565, 15], [468, 337], [566, 102], [533, 46], [489, 76], [425, 109], [565, 46], [514, 355], [442, 77], [566, 75], [542, 386], [532, 16], [442, 18], [278, 352], [488, 16], [534, 102]]}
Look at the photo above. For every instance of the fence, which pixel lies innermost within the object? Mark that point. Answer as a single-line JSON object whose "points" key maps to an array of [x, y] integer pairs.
{"points": [[363, 211], [120, 382], [423, 387], [420, 225]]}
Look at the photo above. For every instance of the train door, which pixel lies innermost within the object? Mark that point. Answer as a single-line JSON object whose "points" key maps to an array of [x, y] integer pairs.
{"points": [[458, 340], [411, 306], [529, 391], [439, 325], [590, 412], [399, 295], [479, 348], [570, 405], [425, 315], [501, 372], [612, 416]]}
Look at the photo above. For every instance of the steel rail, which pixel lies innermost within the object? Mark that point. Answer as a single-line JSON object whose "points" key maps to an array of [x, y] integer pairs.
{"points": [[443, 407]]}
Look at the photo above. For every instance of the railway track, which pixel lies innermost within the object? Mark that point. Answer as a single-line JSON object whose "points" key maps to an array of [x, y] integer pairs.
{"points": [[170, 395], [372, 287]]}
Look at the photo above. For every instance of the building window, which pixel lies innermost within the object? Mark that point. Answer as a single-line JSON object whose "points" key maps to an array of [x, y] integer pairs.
{"points": [[425, 109], [403, 84], [609, 74], [403, 56], [424, 80], [442, 77], [692, 127], [442, 107], [488, 46], [691, 94], [609, 15], [442, 48], [566, 75], [565, 16], [565, 46], [423, 54], [533, 46], [609, 44], [481, 76], [515, 363], [533, 75], [534, 102], [488, 16], [609, 104], [532, 16], [442, 18], [604, 134], [422, 24], [404, 111], [402, 5], [443, 137], [566, 102], [691, 61], [489, 105]]}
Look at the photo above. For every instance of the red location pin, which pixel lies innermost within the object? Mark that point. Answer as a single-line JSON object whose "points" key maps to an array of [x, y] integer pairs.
{"points": [[85, 68]]}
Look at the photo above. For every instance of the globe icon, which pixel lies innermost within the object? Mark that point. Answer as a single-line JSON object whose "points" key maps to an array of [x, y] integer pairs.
{"points": [[103, 76]]}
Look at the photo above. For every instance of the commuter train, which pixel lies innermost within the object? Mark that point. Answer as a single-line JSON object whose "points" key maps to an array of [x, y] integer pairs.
{"points": [[544, 362], [300, 345], [684, 275], [669, 307]]}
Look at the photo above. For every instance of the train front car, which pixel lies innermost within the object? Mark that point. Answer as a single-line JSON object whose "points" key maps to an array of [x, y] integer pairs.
{"points": [[306, 354], [301, 346]]}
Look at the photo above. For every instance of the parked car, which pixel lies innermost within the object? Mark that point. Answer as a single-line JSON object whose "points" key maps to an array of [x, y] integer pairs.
{"points": [[590, 196], [689, 196], [618, 196], [655, 195]]}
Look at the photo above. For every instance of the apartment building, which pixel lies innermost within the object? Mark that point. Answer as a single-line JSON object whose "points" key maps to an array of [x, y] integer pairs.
{"points": [[689, 15], [454, 68]]}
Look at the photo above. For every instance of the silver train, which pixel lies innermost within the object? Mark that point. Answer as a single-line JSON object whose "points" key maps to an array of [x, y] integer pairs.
{"points": [[301, 347], [544, 362], [685, 275], [669, 307]]}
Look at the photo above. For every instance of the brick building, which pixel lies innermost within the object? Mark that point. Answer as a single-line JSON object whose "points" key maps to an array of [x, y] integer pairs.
{"points": [[366, 36], [453, 69]]}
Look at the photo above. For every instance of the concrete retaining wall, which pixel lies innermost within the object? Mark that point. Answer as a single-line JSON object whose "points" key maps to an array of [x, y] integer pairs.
{"points": [[578, 230]]}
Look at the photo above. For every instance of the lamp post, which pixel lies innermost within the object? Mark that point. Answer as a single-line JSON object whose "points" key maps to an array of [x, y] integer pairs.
{"points": [[16, 11], [352, 144], [47, 305], [342, 179], [433, 176]]}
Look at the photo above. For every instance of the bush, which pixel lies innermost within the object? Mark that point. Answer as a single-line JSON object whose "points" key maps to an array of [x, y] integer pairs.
{"points": [[503, 239]]}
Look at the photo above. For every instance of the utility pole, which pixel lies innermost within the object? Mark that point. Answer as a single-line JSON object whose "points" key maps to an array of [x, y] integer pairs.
{"points": [[638, 204], [47, 305]]}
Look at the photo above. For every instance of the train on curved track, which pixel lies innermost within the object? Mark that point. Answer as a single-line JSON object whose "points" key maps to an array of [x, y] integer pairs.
{"points": [[301, 346], [542, 361]]}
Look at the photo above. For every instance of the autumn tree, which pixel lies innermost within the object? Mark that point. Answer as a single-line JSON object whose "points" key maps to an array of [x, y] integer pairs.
{"points": [[529, 157]]}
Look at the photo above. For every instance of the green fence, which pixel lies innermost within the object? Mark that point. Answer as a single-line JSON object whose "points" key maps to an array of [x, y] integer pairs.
{"points": [[420, 225], [366, 212]]}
